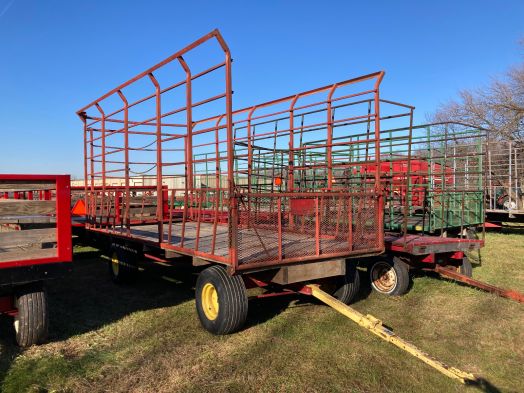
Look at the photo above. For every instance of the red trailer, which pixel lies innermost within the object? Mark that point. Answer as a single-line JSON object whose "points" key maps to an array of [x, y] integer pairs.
{"points": [[440, 171], [35, 245], [252, 224], [390, 274]]}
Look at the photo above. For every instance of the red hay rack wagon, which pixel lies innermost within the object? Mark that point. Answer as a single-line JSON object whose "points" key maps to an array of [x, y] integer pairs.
{"points": [[229, 187]]}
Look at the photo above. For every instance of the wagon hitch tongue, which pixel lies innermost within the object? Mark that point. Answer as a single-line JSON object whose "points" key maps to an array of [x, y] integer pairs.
{"points": [[376, 327], [454, 275]]}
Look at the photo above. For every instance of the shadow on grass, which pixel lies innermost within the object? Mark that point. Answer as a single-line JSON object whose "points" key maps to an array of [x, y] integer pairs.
{"points": [[485, 386], [264, 309], [8, 350], [87, 299]]}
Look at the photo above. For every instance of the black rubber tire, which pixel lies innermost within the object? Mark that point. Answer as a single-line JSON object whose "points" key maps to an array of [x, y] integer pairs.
{"points": [[398, 272], [344, 288], [466, 268], [232, 300], [32, 320], [122, 264]]}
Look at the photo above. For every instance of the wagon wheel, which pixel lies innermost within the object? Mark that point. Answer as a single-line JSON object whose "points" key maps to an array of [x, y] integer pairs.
{"points": [[344, 288], [221, 301], [123, 264], [390, 276], [31, 320]]}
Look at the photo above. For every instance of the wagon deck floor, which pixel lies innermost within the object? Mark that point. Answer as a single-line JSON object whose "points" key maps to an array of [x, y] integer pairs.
{"points": [[149, 233], [27, 244], [250, 241], [420, 244], [27, 254], [391, 237]]}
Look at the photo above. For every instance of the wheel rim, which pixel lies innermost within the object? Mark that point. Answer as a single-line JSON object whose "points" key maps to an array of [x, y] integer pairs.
{"points": [[16, 324], [383, 277], [210, 301], [115, 264]]}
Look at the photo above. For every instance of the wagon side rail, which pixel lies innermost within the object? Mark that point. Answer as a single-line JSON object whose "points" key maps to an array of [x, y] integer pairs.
{"points": [[35, 220]]}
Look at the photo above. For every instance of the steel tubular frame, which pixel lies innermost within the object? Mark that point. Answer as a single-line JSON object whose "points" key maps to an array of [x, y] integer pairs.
{"points": [[91, 121], [244, 204], [289, 114]]}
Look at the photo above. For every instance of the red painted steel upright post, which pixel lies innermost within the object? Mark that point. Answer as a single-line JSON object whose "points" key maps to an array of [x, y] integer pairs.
{"points": [[218, 181], [380, 197], [249, 162], [329, 142], [408, 180], [83, 118], [291, 175], [189, 140], [159, 195], [125, 219], [63, 217], [91, 211], [233, 203], [279, 225], [103, 155]]}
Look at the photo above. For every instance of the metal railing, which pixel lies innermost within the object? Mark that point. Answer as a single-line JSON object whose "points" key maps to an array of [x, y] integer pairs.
{"points": [[237, 183], [505, 175]]}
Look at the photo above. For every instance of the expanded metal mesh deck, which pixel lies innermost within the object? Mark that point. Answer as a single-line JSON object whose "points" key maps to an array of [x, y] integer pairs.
{"points": [[256, 243], [150, 233]]}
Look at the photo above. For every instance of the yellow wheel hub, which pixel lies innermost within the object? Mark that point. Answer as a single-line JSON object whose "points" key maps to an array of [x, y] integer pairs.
{"points": [[115, 264], [210, 301]]}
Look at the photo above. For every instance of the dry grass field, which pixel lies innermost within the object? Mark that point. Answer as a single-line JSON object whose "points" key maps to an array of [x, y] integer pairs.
{"points": [[147, 337]]}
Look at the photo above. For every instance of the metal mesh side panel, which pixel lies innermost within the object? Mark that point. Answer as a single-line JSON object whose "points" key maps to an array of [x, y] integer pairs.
{"points": [[301, 227]]}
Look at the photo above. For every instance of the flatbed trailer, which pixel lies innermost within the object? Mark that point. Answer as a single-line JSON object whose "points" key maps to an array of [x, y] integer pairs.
{"points": [[252, 225], [390, 274], [35, 246]]}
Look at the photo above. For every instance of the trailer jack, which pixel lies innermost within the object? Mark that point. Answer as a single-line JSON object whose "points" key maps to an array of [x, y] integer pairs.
{"points": [[454, 275], [376, 327]]}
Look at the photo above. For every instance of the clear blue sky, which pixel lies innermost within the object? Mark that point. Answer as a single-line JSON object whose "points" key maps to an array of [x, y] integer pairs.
{"points": [[57, 56]]}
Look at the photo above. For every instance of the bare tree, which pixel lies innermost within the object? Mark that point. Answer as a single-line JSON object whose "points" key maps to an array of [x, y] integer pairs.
{"points": [[498, 107]]}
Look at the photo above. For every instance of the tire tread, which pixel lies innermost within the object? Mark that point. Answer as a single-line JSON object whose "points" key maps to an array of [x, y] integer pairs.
{"points": [[233, 309], [31, 302]]}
